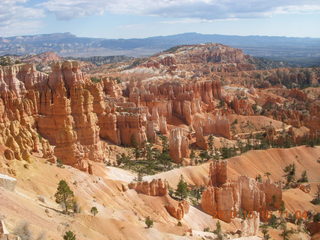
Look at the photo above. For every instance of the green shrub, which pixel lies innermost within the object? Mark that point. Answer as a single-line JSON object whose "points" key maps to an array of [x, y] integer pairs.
{"points": [[149, 222], [64, 196], [69, 236], [304, 177], [182, 189], [94, 211], [95, 79]]}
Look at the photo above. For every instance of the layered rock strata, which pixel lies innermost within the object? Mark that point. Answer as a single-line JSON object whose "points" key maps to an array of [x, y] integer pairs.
{"points": [[178, 145], [224, 199], [156, 187]]}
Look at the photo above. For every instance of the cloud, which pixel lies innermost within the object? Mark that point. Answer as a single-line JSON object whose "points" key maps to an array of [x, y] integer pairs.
{"points": [[23, 17], [200, 9], [16, 18]]}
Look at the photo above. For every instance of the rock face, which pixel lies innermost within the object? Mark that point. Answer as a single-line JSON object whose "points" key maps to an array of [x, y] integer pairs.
{"points": [[68, 111], [158, 187], [163, 128], [250, 226], [155, 188], [218, 173], [7, 182], [5, 234], [3, 229], [178, 145], [208, 125], [17, 114], [178, 210], [181, 100], [229, 59], [224, 199], [68, 118], [20, 78]]}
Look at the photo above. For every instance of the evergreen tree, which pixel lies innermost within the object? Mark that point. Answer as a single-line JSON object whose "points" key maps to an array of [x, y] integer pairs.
{"points": [[64, 195], [285, 232], [165, 145], [267, 174], [148, 151], [182, 189], [136, 148], [94, 211], [149, 222], [282, 209], [218, 231], [69, 236], [290, 171], [211, 144], [316, 199], [273, 221], [165, 159], [123, 159], [204, 155], [259, 178], [304, 177], [265, 232]]}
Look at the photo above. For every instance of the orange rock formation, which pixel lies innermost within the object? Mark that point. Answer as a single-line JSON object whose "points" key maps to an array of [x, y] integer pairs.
{"points": [[224, 199]]}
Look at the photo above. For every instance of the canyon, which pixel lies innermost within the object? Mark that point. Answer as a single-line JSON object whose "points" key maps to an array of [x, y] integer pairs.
{"points": [[202, 113]]}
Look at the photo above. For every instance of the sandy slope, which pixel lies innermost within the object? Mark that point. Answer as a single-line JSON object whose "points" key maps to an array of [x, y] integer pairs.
{"points": [[121, 214], [253, 163]]}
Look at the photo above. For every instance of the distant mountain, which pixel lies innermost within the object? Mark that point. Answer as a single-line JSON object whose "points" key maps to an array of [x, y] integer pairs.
{"points": [[101, 60], [300, 51]]}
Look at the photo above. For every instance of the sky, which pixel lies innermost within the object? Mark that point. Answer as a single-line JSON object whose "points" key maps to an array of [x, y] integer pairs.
{"points": [[145, 18]]}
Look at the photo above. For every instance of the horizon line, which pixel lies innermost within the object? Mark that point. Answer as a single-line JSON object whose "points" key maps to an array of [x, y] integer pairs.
{"points": [[231, 35]]}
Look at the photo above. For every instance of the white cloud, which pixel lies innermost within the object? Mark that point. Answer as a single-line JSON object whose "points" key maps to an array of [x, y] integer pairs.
{"points": [[19, 17], [200, 9], [16, 18]]}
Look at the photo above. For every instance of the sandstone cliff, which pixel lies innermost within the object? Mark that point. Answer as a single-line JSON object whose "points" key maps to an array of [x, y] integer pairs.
{"points": [[224, 199]]}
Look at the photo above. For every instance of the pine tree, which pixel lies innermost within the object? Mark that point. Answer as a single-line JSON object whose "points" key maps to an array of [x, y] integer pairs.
{"points": [[149, 222], [136, 147], [290, 175], [304, 177], [267, 174], [149, 151], [211, 144], [218, 231], [259, 178], [204, 155], [69, 236], [182, 188], [316, 199], [94, 211], [285, 232], [265, 232], [165, 145], [64, 195]]}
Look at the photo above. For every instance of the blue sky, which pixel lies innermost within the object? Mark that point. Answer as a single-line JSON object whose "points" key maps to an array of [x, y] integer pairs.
{"points": [[144, 18]]}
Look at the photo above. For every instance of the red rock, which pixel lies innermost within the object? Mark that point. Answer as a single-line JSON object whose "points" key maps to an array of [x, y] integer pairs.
{"points": [[217, 173], [151, 134], [178, 145], [178, 210], [163, 125], [156, 187], [305, 188], [222, 199], [8, 154]]}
